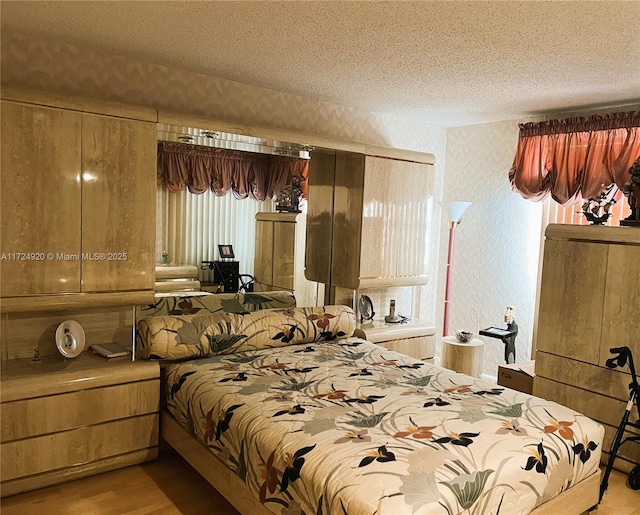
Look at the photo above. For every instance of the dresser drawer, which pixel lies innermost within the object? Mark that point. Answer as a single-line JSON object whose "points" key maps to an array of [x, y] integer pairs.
{"points": [[77, 447], [43, 415]]}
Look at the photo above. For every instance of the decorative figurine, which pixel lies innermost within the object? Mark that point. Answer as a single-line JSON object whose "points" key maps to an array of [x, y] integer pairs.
{"points": [[510, 341], [597, 210], [289, 198], [632, 191], [508, 335]]}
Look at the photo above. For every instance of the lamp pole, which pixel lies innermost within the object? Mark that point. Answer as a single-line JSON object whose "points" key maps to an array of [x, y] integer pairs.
{"points": [[454, 211], [447, 287]]}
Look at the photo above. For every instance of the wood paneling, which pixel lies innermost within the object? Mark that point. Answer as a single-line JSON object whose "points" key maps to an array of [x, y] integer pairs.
{"points": [[604, 381], [263, 262], [621, 315], [53, 375], [118, 204], [571, 300], [284, 247], [78, 446], [46, 479], [347, 220], [606, 410], [422, 347], [26, 331], [40, 200], [280, 256], [34, 417], [320, 217], [53, 303]]}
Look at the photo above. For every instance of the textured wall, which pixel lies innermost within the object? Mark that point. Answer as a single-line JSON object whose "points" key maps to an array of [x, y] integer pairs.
{"points": [[496, 253]]}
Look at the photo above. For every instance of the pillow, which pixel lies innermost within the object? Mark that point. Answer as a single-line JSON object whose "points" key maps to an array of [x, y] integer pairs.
{"points": [[197, 303], [189, 336]]}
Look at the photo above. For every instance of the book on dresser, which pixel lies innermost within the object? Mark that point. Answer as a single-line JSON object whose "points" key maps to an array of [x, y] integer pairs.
{"points": [[110, 350]]}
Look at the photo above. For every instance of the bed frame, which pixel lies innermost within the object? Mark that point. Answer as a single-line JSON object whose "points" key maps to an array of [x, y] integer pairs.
{"points": [[579, 499]]}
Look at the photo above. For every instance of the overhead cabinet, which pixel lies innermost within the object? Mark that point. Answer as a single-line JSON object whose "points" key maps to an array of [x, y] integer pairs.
{"points": [[368, 220], [78, 201]]}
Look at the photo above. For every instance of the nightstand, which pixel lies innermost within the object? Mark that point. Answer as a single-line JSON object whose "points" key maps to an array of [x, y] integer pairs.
{"points": [[63, 419], [463, 357], [413, 338]]}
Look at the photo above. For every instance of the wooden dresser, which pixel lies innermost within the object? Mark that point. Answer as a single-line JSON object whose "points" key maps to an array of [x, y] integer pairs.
{"points": [[414, 338], [589, 303], [64, 419]]}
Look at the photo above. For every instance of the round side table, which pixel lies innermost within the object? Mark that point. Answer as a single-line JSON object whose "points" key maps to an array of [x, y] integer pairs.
{"points": [[465, 358]]}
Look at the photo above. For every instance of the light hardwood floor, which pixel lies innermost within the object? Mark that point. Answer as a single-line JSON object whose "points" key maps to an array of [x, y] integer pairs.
{"points": [[169, 485]]}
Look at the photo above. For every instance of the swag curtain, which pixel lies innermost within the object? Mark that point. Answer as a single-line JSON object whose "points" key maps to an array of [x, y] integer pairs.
{"points": [[245, 174], [575, 158]]}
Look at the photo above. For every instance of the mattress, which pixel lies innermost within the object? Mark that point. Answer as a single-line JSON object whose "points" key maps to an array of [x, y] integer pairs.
{"points": [[350, 427]]}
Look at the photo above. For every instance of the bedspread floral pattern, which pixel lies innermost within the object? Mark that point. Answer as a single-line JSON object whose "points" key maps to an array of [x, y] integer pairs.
{"points": [[350, 427]]}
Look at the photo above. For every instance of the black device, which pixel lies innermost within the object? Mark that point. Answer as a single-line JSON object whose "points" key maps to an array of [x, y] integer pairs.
{"points": [[622, 357], [226, 275]]}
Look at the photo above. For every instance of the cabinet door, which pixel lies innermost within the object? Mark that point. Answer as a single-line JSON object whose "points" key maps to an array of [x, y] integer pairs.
{"points": [[284, 241], [396, 214], [621, 301], [571, 299], [347, 220], [40, 197], [118, 204], [263, 263]]}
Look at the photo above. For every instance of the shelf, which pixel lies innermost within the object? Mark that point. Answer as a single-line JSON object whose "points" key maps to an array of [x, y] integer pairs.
{"points": [[23, 378]]}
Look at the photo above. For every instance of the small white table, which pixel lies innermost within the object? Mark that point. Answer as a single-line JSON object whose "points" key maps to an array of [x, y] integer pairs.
{"points": [[463, 357]]}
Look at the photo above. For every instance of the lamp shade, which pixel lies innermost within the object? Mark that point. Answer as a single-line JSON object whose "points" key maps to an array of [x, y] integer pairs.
{"points": [[454, 209]]}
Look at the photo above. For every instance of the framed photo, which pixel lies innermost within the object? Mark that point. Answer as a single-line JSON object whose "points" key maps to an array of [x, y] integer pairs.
{"points": [[226, 251]]}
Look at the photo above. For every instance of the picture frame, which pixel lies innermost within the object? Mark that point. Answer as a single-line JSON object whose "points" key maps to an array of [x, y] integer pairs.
{"points": [[226, 251]]}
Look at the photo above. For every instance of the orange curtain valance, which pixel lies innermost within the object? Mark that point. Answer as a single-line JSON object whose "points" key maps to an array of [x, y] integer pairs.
{"points": [[246, 174], [575, 158]]}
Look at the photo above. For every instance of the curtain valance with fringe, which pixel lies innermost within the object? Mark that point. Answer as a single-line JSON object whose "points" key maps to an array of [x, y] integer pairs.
{"points": [[575, 158], [246, 174]]}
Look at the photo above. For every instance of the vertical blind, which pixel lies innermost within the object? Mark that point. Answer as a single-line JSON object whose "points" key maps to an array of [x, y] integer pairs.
{"points": [[193, 225]]}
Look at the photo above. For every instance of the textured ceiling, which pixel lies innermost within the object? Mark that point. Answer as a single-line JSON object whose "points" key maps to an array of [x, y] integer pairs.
{"points": [[445, 62]]}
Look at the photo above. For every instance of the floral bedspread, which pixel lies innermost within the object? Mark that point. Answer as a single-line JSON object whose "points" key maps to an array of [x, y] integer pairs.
{"points": [[350, 427]]}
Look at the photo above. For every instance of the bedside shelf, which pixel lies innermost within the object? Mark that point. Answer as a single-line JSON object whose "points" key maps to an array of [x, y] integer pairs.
{"points": [[63, 419], [414, 338]]}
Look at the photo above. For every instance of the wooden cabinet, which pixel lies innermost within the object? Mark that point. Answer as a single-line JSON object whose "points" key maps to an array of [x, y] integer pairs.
{"points": [[78, 202], [279, 261], [373, 213], [589, 303], [118, 203], [65, 419], [40, 195], [414, 338]]}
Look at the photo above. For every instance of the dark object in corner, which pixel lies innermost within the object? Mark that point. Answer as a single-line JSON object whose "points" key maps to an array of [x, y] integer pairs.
{"points": [[508, 335], [632, 191], [622, 357]]}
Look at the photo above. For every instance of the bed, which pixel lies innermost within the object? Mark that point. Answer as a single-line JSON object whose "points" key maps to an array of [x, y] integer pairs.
{"points": [[284, 411]]}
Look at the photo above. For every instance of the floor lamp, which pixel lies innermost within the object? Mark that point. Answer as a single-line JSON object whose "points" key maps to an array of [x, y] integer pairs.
{"points": [[454, 211]]}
